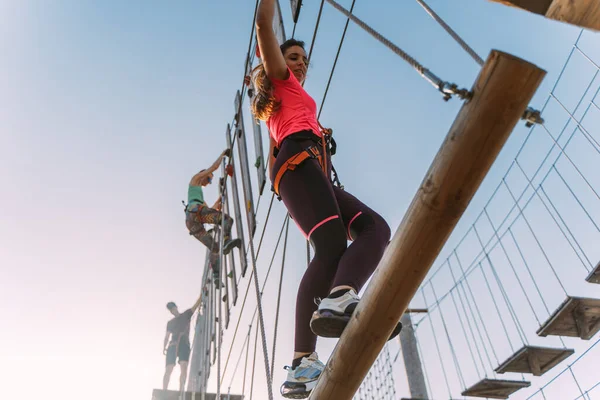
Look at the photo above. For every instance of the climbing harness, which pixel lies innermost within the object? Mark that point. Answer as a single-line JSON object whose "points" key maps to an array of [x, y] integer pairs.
{"points": [[327, 143], [185, 210], [293, 162]]}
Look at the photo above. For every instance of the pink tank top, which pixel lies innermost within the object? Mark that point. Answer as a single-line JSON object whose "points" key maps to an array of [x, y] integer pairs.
{"points": [[298, 111]]}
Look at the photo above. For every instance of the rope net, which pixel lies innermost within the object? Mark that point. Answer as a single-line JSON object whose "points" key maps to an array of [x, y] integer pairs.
{"points": [[532, 246], [379, 383]]}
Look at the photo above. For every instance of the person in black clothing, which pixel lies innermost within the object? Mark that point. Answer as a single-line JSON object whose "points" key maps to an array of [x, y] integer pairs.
{"points": [[178, 347]]}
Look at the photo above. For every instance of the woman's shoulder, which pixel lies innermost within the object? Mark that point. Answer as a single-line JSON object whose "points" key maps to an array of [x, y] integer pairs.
{"points": [[289, 81]]}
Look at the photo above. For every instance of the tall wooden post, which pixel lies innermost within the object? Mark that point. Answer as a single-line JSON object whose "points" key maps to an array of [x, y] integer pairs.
{"points": [[501, 94], [412, 360]]}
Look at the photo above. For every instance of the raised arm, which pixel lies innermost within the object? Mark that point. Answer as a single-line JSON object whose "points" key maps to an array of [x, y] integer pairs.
{"points": [[196, 179], [197, 304], [273, 60], [218, 204]]}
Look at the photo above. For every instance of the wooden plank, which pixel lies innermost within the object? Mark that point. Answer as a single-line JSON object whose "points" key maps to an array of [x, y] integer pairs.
{"points": [[495, 388], [583, 13], [500, 95], [594, 276], [239, 226], [534, 360], [296, 4], [575, 317], [158, 394], [244, 167], [534, 6]]}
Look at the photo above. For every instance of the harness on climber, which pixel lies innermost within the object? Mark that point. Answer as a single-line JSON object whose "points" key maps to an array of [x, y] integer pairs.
{"points": [[327, 143]]}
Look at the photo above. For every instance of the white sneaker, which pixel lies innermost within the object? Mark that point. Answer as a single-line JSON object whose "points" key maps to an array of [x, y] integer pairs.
{"points": [[333, 315], [302, 379]]}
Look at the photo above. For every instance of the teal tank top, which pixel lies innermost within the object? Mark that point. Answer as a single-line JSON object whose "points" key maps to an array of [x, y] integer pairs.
{"points": [[195, 195]]}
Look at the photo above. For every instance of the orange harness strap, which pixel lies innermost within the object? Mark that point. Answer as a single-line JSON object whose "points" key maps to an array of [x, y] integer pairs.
{"points": [[328, 132], [299, 158], [293, 162]]}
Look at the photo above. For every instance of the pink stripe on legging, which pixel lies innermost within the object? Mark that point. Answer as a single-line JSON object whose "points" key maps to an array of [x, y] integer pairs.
{"points": [[321, 223], [351, 221]]}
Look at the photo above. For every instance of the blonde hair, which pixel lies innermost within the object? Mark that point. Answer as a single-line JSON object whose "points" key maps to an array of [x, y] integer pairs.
{"points": [[264, 104]]}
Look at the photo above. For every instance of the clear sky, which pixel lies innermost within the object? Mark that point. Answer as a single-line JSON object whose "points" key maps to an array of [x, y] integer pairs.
{"points": [[108, 108]]}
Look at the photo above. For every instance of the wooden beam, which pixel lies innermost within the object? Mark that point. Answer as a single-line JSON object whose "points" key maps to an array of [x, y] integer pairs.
{"points": [[416, 311], [501, 93], [583, 13], [158, 394]]}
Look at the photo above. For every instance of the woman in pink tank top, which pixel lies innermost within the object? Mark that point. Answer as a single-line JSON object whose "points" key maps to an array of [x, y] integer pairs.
{"points": [[327, 215]]}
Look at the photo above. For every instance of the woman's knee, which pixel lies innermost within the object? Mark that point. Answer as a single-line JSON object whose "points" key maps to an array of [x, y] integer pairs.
{"points": [[329, 240], [373, 223], [384, 229]]}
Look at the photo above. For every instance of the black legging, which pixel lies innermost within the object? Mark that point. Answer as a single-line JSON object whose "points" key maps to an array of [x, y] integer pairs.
{"points": [[329, 217]]}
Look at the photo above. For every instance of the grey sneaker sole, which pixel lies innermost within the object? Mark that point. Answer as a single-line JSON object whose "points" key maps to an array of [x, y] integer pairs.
{"points": [[297, 390], [227, 247], [326, 323]]}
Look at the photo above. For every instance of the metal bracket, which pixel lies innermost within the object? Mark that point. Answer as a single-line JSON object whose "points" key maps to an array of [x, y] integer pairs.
{"points": [[532, 117], [451, 89]]}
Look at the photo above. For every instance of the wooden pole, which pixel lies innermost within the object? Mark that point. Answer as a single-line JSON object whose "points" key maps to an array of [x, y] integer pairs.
{"points": [[501, 93], [583, 13], [412, 360]]}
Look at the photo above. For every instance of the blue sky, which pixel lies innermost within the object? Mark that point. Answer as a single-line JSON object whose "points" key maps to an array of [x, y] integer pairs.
{"points": [[108, 108]]}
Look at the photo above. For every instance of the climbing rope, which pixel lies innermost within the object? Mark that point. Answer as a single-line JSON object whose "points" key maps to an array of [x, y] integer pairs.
{"points": [[437, 346], [246, 295], [464, 331], [237, 365], [471, 330], [446, 89], [496, 307], [468, 291], [246, 362], [223, 194], [452, 349], [512, 267], [314, 38], [247, 62], [254, 363], [535, 237], [451, 32], [531, 116], [249, 282], [262, 235], [337, 55], [285, 242]]}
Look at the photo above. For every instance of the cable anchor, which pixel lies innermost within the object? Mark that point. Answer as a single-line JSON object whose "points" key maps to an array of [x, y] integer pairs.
{"points": [[451, 89], [446, 88], [532, 117]]}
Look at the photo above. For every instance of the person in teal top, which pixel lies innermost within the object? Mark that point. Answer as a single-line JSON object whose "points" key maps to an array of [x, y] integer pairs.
{"points": [[198, 213]]}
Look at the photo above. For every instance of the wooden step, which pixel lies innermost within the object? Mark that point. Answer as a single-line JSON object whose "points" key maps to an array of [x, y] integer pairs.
{"points": [[534, 360], [495, 388], [158, 394], [576, 317], [594, 276]]}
